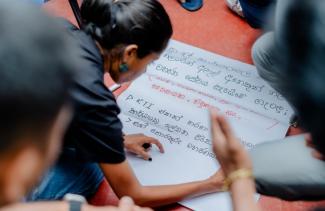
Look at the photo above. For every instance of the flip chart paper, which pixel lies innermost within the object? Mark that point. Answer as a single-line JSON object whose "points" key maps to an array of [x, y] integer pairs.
{"points": [[170, 102]]}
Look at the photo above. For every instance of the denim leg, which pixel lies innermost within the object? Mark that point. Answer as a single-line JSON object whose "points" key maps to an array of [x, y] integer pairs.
{"points": [[68, 176]]}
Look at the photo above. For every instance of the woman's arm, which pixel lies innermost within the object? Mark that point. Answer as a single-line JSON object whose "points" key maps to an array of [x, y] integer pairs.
{"points": [[242, 194], [124, 182], [235, 163]]}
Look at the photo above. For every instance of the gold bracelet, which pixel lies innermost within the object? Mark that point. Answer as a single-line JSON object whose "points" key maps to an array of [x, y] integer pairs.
{"points": [[235, 175]]}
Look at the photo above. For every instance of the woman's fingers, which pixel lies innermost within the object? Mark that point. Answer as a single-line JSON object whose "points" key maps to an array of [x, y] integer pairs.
{"points": [[157, 143], [126, 204], [143, 153], [225, 128], [317, 155], [218, 137]]}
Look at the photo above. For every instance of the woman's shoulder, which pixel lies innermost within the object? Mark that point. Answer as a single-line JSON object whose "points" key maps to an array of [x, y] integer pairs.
{"points": [[90, 83], [85, 43]]}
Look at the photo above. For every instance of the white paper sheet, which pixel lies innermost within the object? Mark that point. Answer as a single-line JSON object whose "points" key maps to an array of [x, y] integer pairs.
{"points": [[170, 103]]}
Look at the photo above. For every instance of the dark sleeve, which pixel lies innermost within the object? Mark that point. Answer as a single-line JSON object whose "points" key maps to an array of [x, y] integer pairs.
{"points": [[96, 128], [96, 131]]}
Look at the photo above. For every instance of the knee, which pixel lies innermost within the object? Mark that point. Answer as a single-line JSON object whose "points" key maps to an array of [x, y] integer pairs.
{"points": [[262, 53], [287, 170]]}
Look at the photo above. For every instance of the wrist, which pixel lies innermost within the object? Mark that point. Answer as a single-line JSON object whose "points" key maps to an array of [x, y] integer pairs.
{"points": [[212, 185], [239, 174], [246, 183], [243, 194]]}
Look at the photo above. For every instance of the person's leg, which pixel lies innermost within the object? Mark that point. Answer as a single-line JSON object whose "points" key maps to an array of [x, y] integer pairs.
{"points": [[265, 52], [286, 169], [264, 58], [68, 176], [257, 13]]}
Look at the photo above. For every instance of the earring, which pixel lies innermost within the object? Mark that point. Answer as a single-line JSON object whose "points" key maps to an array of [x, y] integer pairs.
{"points": [[124, 68]]}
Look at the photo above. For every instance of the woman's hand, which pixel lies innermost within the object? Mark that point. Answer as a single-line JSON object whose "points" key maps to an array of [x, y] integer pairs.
{"points": [[217, 181], [232, 156], [229, 152], [127, 204], [134, 143]]}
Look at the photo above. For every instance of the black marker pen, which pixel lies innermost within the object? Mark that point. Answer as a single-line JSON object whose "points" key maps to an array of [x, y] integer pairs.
{"points": [[147, 146]]}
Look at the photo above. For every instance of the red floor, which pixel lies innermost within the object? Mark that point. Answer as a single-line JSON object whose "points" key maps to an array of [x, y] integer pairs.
{"points": [[213, 28]]}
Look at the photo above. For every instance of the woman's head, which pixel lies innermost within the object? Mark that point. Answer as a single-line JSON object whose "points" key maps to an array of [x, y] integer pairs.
{"points": [[131, 33]]}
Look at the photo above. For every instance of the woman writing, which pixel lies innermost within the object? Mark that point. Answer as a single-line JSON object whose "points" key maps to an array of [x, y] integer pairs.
{"points": [[121, 38]]}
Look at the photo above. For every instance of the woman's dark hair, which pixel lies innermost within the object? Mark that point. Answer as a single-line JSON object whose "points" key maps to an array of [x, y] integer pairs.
{"points": [[302, 43], [122, 22]]}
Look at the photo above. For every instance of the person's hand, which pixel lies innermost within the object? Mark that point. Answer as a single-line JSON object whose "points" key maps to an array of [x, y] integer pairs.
{"points": [[125, 204], [134, 143], [217, 180], [229, 152], [315, 153]]}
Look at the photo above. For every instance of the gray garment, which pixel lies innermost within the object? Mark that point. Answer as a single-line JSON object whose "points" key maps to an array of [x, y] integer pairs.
{"points": [[267, 50], [286, 169], [263, 52], [264, 56]]}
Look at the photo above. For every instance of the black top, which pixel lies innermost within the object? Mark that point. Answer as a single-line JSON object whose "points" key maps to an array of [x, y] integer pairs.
{"points": [[96, 131]]}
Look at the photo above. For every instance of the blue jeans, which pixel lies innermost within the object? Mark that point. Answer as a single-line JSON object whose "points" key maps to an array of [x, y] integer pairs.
{"points": [[68, 175]]}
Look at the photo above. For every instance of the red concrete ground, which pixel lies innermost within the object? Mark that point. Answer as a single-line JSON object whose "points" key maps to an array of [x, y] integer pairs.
{"points": [[213, 28]]}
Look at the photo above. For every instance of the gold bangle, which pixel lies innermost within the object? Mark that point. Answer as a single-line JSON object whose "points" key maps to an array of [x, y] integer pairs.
{"points": [[235, 175]]}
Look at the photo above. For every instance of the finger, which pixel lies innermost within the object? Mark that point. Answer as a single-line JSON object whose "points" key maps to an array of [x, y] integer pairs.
{"points": [[157, 143], [143, 153], [317, 155], [218, 137], [147, 149], [126, 204], [226, 128]]}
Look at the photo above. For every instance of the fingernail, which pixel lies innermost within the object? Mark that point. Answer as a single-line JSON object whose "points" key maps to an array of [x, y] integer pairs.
{"points": [[150, 159]]}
